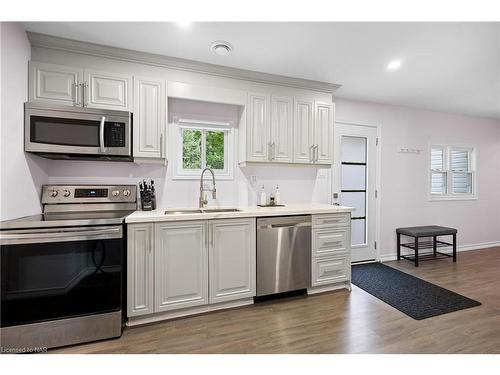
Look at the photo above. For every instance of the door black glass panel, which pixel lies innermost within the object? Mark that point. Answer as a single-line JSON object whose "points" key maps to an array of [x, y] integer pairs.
{"points": [[62, 131], [46, 281], [353, 188]]}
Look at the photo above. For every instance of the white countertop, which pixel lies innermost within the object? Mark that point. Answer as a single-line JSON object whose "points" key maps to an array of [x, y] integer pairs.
{"points": [[254, 211]]}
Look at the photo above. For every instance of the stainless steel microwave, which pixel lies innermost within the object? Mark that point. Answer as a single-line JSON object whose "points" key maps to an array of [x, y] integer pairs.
{"points": [[59, 132]]}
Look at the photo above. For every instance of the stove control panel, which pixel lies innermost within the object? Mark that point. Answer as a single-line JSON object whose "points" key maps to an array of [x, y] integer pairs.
{"points": [[88, 194]]}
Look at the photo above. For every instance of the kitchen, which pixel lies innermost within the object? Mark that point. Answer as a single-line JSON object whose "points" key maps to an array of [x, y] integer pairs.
{"points": [[169, 193]]}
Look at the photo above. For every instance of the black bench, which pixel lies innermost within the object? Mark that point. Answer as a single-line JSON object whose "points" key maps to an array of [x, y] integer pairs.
{"points": [[426, 231]]}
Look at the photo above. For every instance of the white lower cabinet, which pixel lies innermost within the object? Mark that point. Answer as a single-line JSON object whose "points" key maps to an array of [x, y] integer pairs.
{"points": [[189, 264], [181, 265], [331, 250], [232, 259], [140, 263]]}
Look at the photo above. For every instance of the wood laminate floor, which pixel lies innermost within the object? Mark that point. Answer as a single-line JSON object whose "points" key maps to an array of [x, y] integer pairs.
{"points": [[336, 322]]}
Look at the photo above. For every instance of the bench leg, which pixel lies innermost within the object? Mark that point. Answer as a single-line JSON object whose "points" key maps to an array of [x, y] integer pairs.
{"points": [[416, 251], [434, 245], [398, 245], [454, 247]]}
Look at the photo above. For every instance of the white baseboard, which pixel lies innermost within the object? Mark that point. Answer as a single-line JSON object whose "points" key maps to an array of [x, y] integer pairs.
{"points": [[478, 246]]}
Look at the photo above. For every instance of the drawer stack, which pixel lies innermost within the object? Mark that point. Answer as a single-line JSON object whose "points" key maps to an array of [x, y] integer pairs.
{"points": [[331, 258]]}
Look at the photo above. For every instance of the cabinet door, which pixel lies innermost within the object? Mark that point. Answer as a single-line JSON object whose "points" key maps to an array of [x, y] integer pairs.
{"points": [[107, 90], [258, 127], [303, 132], [181, 265], [281, 129], [323, 132], [149, 118], [56, 84], [232, 259], [139, 269]]}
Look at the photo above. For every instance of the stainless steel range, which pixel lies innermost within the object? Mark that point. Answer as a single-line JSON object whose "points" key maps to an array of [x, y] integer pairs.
{"points": [[63, 271]]}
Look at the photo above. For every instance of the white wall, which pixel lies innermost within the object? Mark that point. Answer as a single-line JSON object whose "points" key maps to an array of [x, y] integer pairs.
{"points": [[21, 175], [404, 199]]}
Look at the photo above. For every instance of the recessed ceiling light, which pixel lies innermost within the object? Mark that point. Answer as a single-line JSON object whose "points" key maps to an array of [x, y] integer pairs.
{"points": [[221, 48], [394, 65], [184, 24]]}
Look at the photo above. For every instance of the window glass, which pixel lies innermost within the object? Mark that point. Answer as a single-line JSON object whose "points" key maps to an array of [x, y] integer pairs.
{"points": [[460, 160], [438, 183], [462, 183], [191, 149], [437, 159], [215, 149]]}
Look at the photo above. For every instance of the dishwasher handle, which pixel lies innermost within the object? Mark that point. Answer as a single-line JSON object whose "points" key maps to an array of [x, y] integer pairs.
{"points": [[284, 222]]}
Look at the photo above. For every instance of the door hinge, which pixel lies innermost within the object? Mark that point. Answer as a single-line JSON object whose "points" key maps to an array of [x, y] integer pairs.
{"points": [[375, 245], [376, 141]]}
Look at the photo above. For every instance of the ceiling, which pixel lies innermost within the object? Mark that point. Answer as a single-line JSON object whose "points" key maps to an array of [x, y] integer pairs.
{"points": [[450, 67]]}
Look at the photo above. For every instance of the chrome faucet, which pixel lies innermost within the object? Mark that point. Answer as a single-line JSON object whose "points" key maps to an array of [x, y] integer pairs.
{"points": [[203, 199]]}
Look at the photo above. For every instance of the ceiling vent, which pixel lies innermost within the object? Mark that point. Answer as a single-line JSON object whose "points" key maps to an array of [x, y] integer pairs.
{"points": [[221, 48]]}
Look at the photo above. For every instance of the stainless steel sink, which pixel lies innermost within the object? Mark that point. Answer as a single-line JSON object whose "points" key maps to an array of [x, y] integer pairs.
{"points": [[215, 210], [180, 212], [199, 211]]}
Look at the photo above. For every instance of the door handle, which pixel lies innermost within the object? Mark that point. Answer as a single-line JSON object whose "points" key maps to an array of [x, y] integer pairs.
{"points": [[101, 134]]}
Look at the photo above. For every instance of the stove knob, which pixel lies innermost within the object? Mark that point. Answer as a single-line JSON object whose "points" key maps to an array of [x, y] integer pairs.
{"points": [[115, 193], [53, 193], [66, 193], [126, 192]]}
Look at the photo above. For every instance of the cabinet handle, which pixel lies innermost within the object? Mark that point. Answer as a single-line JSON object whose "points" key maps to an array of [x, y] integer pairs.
{"points": [[273, 145], [316, 153], [269, 151], [161, 145], [75, 93], [211, 234], [84, 94], [311, 148]]}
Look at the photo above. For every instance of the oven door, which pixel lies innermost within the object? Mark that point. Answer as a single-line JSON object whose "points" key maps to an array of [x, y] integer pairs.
{"points": [[77, 131], [56, 273]]}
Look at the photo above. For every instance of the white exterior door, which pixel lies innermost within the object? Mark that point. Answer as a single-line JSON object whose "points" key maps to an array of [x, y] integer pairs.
{"points": [[354, 183], [303, 131], [55, 84], [258, 127], [281, 129], [181, 265], [149, 118], [108, 90], [232, 259], [140, 261], [323, 132]]}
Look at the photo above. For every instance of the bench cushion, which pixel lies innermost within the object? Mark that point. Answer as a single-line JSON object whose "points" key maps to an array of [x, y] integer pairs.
{"points": [[426, 231]]}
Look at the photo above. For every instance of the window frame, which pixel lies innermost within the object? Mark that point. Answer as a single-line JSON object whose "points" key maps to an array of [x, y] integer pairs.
{"points": [[181, 124], [448, 173]]}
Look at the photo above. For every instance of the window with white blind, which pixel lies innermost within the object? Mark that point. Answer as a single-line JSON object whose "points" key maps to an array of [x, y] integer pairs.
{"points": [[452, 172]]}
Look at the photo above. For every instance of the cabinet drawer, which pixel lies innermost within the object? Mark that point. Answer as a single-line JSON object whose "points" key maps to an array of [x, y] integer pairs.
{"points": [[331, 220], [329, 270], [329, 242]]}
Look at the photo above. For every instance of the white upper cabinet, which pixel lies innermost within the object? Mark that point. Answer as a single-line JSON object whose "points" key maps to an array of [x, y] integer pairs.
{"points": [[181, 265], [107, 90], [150, 105], [258, 127], [281, 129], [323, 133], [232, 255], [304, 131], [55, 84]]}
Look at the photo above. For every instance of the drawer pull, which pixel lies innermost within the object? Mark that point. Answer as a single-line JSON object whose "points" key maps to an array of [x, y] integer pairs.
{"points": [[331, 243]]}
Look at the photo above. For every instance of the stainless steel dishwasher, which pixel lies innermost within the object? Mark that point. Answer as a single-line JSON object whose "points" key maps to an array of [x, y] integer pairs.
{"points": [[283, 254]]}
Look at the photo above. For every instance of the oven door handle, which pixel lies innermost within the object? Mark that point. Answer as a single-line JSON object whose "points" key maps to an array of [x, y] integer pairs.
{"points": [[59, 235], [101, 135]]}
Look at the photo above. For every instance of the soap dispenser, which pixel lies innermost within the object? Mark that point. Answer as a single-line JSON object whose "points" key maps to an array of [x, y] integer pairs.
{"points": [[277, 196], [263, 197]]}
